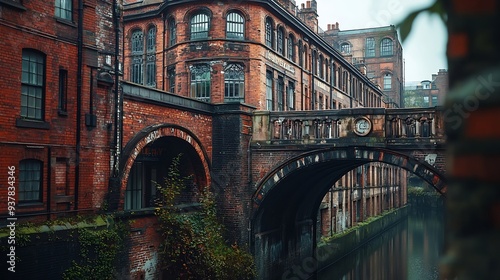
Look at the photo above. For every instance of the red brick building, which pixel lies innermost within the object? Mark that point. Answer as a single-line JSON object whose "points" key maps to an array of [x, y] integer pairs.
{"points": [[427, 93], [377, 52], [56, 117], [81, 136], [267, 55]]}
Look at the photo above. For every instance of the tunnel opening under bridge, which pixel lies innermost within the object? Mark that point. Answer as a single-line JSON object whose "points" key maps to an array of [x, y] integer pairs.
{"points": [[285, 206]]}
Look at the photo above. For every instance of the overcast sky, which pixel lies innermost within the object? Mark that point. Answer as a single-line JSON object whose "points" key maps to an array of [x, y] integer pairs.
{"points": [[424, 51]]}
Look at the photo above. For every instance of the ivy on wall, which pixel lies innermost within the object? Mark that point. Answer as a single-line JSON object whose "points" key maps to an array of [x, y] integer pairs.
{"points": [[193, 246], [99, 250]]}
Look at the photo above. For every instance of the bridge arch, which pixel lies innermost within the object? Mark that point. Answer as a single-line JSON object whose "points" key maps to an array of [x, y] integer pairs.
{"points": [[287, 199], [172, 137]]}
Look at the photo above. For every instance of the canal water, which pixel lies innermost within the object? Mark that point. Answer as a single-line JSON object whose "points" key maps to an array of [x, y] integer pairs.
{"points": [[409, 250]]}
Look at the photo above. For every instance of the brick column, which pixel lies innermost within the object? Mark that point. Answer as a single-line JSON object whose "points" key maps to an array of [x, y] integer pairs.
{"points": [[472, 121]]}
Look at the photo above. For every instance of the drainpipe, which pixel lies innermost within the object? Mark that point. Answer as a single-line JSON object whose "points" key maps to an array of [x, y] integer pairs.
{"points": [[117, 97], [49, 179], [163, 68], [78, 100]]}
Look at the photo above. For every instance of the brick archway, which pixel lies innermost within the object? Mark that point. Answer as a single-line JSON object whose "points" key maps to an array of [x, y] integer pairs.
{"points": [[149, 135], [358, 156]]}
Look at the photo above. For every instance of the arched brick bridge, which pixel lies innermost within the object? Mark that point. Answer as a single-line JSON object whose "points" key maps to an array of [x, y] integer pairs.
{"points": [[270, 170]]}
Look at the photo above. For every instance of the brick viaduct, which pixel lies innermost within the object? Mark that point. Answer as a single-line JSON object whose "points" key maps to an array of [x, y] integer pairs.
{"points": [[270, 170]]}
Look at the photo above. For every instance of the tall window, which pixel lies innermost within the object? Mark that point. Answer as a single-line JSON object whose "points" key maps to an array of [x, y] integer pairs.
{"points": [[137, 43], [386, 47], [234, 82], [151, 58], [235, 26], [314, 63], [321, 66], [200, 82], [280, 93], [269, 33], [370, 47], [30, 180], [32, 85], [345, 48], [200, 24], [133, 192], [301, 55], [281, 41], [171, 79], [63, 91], [172, 32], [387, 81], [291, 96], [290, 48], [64, 9], [269, 90]]}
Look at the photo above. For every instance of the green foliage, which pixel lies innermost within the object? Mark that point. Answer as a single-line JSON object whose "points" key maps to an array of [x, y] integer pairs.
{"points": [[407, 23], [412, 99], [193, 246], [99, 250], [420, 192]]}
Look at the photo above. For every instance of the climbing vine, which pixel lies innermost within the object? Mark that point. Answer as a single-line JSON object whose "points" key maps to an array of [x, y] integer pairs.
{"points": [[193, 246], [99, 250]]}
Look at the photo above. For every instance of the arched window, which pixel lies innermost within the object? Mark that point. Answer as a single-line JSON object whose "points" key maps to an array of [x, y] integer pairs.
{"points": [[151, 58], [172, 32], [387, 81], [281, 41], [151, 45], [137, 65], [235, 26], [137, 41], [200, 24], [33, 85], [345, 48], [269, 33], [200, 82], [386, 47], [291, 47], [30, 180], [234, 82]]}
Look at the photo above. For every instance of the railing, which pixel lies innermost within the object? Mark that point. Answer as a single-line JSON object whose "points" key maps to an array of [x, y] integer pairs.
{"points": [[387, 125]]}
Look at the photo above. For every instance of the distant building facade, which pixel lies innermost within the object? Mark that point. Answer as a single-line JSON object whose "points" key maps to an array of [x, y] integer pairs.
{"points": [[427, 93], [377, 52]]}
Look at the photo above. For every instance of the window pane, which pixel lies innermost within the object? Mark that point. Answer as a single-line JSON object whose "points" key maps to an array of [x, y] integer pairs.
{"points": [[269, 90], [234, 79], [269, 33], [199, 26], [370, 47], [63, 9], [32, 79], [30, 180], [386, 47], [151, 39], [234, 26], [200, 82], [172, 32]]}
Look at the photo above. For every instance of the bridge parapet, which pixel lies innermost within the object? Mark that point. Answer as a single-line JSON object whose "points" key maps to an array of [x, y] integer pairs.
{"points": [[360, 126]]}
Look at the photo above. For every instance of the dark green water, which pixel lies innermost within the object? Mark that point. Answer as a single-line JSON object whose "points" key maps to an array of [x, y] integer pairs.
{"points": [[410, 250]]}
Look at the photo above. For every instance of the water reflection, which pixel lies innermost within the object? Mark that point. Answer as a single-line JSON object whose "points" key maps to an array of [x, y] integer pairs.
{"points": [[410, 250]]}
